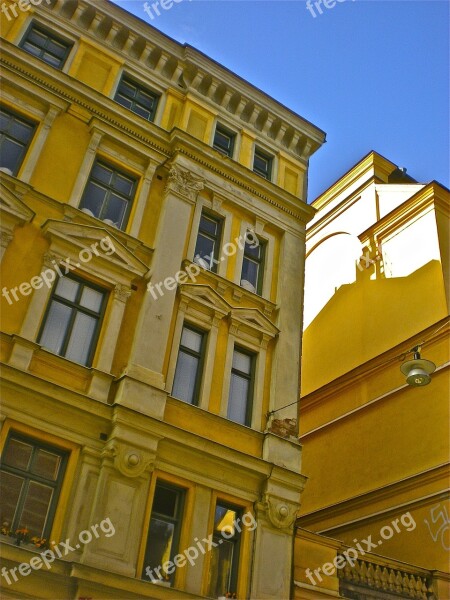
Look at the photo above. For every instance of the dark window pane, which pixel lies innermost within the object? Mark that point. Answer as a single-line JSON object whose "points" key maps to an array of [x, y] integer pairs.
{"points": [[124, 185], [91, 299], [242, 362], [250, 272], [35, 509], [142, 112], [67, 288], [137, 98], [94, 197], [17, 454], [45, 46], [108, 194], [11, 487], [71, 326], [205, 249], [28, 498], [46, 464], [15, 136], [56, 326], [102, 173], [11, 154], [237, 402], [221, 568], [185, 377], [115, 210], [124, 101], [208, 225], [81, 337], [161, 537], [191, 339], [165, 501]]}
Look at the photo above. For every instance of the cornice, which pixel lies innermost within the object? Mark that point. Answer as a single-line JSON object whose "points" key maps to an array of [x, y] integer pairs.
{"points": [[373, 161], [349, 506], [430, 196], [167, 145], [182, 66]]}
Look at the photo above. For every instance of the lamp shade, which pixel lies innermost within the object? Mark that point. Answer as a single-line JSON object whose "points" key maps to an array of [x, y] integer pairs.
{"points": [[418, 370]]}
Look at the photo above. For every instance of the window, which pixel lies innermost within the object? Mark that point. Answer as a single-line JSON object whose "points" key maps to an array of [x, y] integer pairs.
{"points": [[72, 322], [241, 387], [164, 532], [224, 140], [188, 371], [137, 98], [109, 194], [15, 136], [208, 242], [223, 570], [30, 483], [46, 45], [253, 266], [262, 164]]}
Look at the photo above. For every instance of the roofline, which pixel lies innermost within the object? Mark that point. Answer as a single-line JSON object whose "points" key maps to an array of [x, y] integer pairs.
{"points": [[186, 46]]}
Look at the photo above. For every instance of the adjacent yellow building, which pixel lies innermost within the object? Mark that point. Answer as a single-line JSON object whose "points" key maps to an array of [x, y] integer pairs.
{"points": [[153, 242], [375, 449]]}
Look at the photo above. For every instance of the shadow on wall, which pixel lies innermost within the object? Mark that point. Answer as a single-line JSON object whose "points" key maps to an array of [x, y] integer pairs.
{"points": [[365, 318]]}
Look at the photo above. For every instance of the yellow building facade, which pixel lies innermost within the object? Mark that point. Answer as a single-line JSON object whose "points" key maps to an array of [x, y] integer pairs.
{"points": [[375, 449], [153, 243]]}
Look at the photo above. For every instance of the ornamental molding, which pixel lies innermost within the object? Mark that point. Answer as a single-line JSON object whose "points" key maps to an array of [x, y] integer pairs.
{"points": [[281, 514], [128, 460], [184, 182]]}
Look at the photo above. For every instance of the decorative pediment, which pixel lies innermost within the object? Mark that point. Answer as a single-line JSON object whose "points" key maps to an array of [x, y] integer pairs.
{"points": [[65, 237], [251, 322], [13, 211], [202, 298]]}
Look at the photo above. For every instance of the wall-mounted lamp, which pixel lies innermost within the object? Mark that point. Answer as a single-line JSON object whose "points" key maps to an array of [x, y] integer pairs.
{"points": [[418, 370]]}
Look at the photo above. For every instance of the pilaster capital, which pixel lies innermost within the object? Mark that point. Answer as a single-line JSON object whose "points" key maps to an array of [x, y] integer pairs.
{"points": [[5, 238], [122, 292], [183, 182], [280, 513], [130, 461]]}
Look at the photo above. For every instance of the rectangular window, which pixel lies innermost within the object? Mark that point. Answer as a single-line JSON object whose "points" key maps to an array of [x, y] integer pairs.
{"points": [[137, 98], [223, 570], [109, 194], [241, 387], [188, 372], [46, 45], [164, 533], [253, 266], [30, 483], [15, 137], [207, 247], [224, 140], [72, 322], [262, 164]]}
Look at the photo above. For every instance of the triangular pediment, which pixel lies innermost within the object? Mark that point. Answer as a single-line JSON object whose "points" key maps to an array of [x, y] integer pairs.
{"points": [[84, 236], [205, 295], [14, 208], [254, 318]]}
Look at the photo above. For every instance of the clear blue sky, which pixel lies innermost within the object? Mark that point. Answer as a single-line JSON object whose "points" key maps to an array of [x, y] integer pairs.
{"points": [[373, 74]]}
